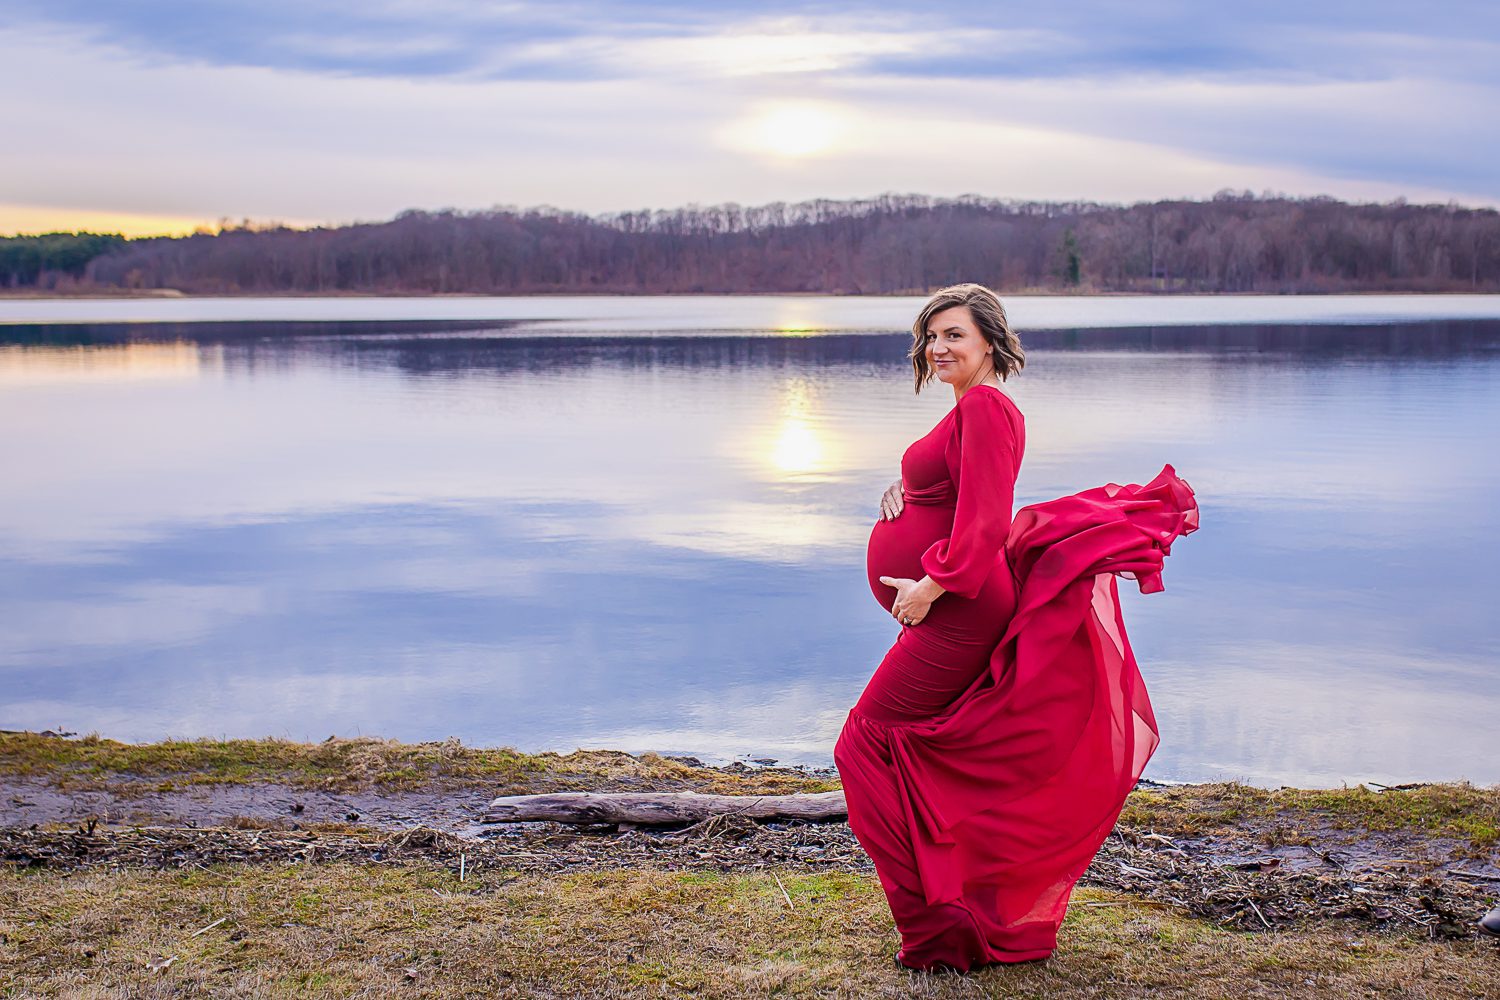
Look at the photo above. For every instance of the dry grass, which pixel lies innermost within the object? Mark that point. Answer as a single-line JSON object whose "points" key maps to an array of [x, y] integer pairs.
{"points": [[1458, 810], [413, 928], [418, 931], [94, 762]]}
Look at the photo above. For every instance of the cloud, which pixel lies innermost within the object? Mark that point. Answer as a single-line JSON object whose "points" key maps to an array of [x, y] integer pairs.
{"points": [[1414, 132], [563, 40], [332, 112], [390, 39]]}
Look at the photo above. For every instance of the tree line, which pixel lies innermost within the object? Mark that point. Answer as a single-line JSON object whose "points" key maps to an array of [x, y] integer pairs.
{"points": [[904, 244], [44, 260]]}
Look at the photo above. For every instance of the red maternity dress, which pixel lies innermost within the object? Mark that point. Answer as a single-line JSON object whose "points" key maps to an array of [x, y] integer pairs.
{"points": [[991, 752]]}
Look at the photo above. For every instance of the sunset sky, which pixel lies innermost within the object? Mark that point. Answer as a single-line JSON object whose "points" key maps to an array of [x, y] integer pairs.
{"points": [[159, 117]]}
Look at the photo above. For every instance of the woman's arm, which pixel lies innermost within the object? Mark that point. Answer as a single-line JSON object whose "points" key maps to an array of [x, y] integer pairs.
{"points": [[987, 443]]}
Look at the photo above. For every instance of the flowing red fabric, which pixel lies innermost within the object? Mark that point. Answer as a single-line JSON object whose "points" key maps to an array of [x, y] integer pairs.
{"points": [[993, 749]]}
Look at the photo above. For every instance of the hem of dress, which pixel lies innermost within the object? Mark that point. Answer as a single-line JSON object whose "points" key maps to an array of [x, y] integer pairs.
{"points": [[1017, 958]]}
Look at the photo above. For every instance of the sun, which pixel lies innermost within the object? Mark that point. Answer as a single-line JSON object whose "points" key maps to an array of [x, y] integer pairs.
{"points": [[793, 130]]}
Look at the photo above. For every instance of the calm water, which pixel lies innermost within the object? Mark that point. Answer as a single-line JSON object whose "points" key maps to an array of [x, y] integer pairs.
{"points": [[518, 529], [760, 315]]}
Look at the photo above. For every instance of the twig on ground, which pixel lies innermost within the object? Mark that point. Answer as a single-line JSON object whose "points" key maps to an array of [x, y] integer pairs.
{"points": [[203, 930], [784, 895]]}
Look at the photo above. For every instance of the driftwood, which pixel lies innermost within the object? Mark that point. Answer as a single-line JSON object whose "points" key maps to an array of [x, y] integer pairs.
{"points": [[650, 808]]}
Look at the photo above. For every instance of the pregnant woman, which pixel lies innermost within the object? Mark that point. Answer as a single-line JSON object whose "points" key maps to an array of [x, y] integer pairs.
{"points": [[991, 752]]}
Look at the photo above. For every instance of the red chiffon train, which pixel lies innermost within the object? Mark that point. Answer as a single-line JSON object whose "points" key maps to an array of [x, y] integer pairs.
{"points": [[983, 770]]}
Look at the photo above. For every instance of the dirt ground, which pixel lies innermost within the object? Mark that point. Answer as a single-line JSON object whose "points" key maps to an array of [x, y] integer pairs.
{"points": [[38, 801], [263, 868], [1423, 857], [1252, 872]]}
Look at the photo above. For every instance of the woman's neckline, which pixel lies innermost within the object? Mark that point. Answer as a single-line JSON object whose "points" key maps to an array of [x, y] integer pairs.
{"points": [[984, 385]]}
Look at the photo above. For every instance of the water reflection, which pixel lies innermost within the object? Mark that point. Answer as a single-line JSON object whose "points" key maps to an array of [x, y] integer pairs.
{"points": [[34, 366], [740, 315], [657, 543], [799, 450], [412, 619], [432, 345]]}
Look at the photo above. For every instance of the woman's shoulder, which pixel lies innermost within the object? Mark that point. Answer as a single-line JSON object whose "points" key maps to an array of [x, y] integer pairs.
{"points": [[989, 399]]}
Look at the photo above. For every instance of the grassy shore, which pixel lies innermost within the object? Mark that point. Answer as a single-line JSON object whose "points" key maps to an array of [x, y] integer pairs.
{"points": [[1218, 890], [1459, 811], [92, 762]]}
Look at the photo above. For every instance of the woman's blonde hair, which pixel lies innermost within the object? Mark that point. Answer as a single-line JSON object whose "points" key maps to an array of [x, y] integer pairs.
{"points": [[989, 315]]}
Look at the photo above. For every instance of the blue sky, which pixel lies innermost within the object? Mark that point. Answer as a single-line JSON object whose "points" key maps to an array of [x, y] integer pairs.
{"points": [[168, 114]]}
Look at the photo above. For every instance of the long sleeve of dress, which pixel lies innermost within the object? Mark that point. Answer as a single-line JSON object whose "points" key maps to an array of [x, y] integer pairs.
{"points": [[987, 449]]}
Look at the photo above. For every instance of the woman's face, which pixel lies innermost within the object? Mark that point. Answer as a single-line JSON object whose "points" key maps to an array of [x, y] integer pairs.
{"points": [[956, 349]]}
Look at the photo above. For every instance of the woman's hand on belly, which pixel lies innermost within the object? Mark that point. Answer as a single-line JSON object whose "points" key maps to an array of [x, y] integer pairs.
{"points": [[913, 598], [891, 502]]}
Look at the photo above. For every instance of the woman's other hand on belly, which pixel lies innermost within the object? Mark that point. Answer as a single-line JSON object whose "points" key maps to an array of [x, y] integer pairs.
{"points": [[913, 598], [892, 502]]}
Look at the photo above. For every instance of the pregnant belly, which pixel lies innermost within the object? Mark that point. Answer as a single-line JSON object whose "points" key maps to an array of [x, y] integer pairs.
{"points": [[896, 547]]}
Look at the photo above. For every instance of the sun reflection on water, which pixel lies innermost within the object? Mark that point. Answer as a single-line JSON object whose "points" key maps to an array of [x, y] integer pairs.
{"points": [[797, 450], [800, 446], [28, 365]]}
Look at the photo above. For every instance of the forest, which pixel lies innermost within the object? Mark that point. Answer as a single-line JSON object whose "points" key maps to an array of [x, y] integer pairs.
{"points": [[892, 244], [51, 258]]}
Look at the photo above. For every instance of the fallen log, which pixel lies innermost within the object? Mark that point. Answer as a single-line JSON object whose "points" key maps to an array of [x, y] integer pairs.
{"points": [[652, 808]]}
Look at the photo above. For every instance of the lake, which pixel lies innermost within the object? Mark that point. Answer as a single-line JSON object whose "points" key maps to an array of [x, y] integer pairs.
{"points": [[639, 523]]}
